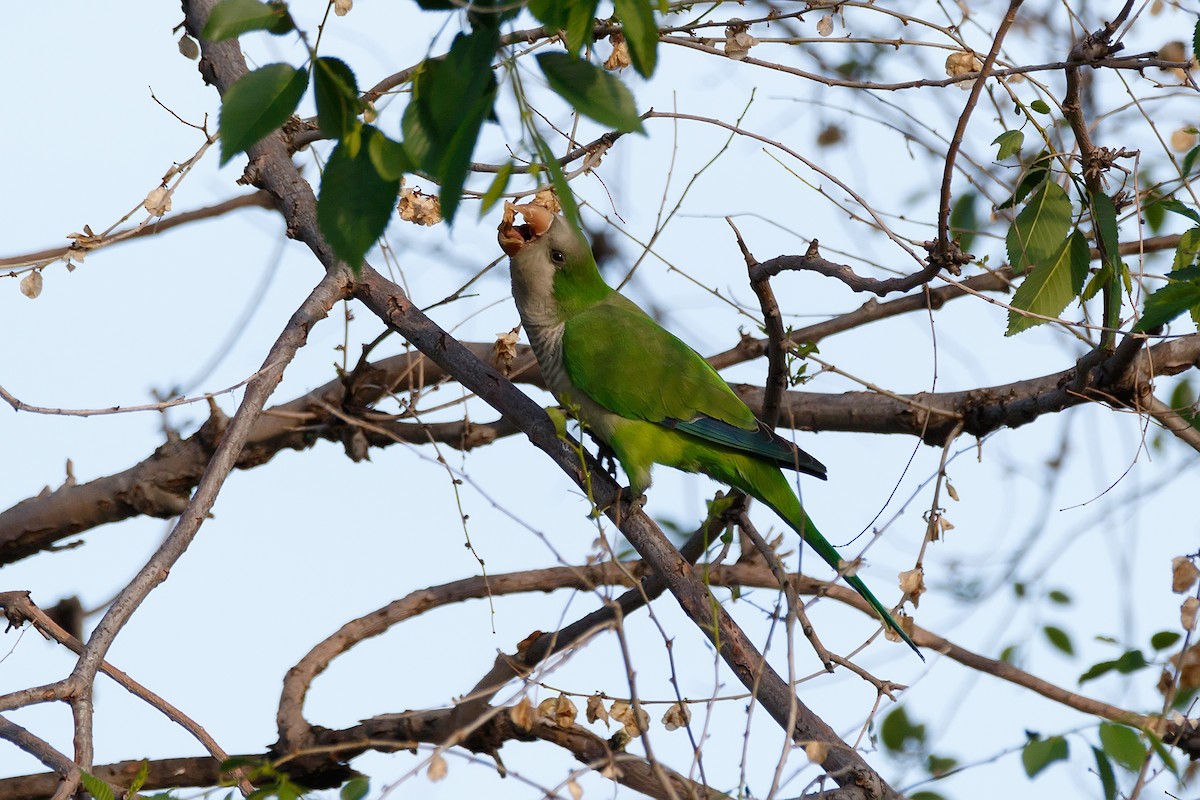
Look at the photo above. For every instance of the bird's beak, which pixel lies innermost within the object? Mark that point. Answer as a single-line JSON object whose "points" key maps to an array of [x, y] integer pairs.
{"points": [[514, 237]]}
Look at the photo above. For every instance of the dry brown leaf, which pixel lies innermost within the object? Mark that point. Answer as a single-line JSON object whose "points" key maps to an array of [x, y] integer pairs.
{"points": [[912, 583], [620, 53], [158, 202], [963, 63], [817, 752], [31, 284], [419, 208], [634, 723], [1183, 574], [677, 716], [437, 768], [1187, 613], [596, 710], [522, 715]]}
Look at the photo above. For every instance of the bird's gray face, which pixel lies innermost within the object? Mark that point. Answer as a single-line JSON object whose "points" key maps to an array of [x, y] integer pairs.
{"points": [[536, 250]]}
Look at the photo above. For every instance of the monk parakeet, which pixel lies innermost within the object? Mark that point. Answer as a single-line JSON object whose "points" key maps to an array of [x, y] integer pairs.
{"points": [[639, 389]]}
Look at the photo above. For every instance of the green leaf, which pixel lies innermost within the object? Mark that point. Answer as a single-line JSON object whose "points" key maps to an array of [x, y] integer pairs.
{"points": [[452, 96], [1104, 217], [925, 794], [1059, 638], [1130, 661], [389, 157], [963, 220], [336, 91], [232, 18], [1189, 161], [257, 104], [1176, 206], [1010, 144], [1164, 639], [356, 788], [1040, 753], [139, 780], [1123, 745], [1040, 106], [591, 91], [1059, 596], [1051, 286], [355, 202], [898, 732], [939, 765], [551, 13], [1029, 181], [96, 787], [641, 33], [562, 189], [1196, 41], [496, 190], [1187, 253], [1163, 752], [1039, 230], [1167, 303], [581, 21], [1108, 779]]}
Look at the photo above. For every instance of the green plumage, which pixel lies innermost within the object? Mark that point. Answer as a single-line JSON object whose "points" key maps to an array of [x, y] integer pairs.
{"points": [[643, 391]]}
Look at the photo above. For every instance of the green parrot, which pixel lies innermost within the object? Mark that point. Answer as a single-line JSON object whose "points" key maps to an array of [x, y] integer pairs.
{"points": [[642, 391]]}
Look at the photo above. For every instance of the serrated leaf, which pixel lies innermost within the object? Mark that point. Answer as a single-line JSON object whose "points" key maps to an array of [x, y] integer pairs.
{"points": [[97, 788], [591, 91], [1040, 106], [1123, 745], [496, 189], [1104, 217], [551, 13], [1189, 161], [452, 97], [139, 780], [355, 203], [963, 220], [336, 92], [1059, 638], [257, 104], [1029, 181], [389, 157], [1177, 207], [1108, 779], [641, 33], [1051, 286], [1010, 144], [1167, 303], [1187, 252], [558, 180], [355, 789], [1040, 228], [581, 21], [232, 18], [1164, 639], [1041, 753]]}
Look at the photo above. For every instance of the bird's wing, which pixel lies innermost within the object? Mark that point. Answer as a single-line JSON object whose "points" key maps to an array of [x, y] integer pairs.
{"points": [[626, 362]]}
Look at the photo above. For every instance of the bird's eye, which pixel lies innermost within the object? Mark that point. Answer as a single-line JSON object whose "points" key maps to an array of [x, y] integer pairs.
{"points": [[557, 257]]}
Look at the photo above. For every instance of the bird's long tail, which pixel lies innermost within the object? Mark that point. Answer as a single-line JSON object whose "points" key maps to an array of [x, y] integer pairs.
{"points": [[766, 483]]}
